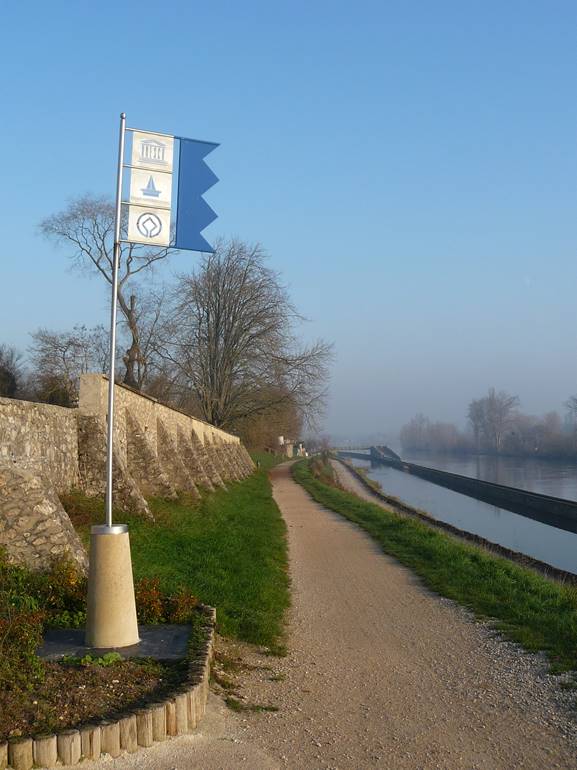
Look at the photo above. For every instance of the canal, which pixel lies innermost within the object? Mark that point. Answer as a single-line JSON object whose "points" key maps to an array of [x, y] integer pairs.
{"points": [[541, 541]]}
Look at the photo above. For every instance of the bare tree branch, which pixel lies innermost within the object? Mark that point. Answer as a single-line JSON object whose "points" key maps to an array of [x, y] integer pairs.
{"points": [[86, 229], [229, 339]]}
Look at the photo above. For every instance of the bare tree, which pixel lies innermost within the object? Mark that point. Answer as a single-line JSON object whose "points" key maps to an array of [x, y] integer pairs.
{"points": [[498, 415], [415, 434], [59, 358], [147, 321], [476, 415], [10, 371], [491, 416], [230, 340], [86, 227], [261, 431], [571, 406]]}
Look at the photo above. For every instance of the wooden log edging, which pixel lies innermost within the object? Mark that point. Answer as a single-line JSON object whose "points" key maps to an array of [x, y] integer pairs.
{"points": [[132, 731], [545, 569]]}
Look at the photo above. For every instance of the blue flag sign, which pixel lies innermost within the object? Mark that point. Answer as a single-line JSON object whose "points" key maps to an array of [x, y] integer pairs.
{"points": [[193, 213], [150, 203]]}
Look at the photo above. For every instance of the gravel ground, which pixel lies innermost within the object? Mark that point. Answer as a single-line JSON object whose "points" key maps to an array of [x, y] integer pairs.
{"points": [[380, 674]]}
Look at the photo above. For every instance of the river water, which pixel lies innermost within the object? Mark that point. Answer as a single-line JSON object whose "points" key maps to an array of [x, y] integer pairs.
{"points": [[549, 544], [547, 477]]}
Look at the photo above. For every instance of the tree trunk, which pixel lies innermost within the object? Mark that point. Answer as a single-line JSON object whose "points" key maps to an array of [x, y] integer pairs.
{"points": [[132, 356], [130, 359]]}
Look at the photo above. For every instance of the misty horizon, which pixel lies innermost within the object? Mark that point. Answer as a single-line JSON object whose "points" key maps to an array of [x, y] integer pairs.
{"points": [[410, 175]]}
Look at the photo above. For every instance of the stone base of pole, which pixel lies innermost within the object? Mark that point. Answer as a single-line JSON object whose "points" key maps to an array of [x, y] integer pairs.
{"points": [[111, 612]]}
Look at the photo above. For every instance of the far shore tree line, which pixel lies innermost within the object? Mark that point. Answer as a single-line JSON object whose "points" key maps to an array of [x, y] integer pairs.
{"points": [[220, 342], [495, 425]]}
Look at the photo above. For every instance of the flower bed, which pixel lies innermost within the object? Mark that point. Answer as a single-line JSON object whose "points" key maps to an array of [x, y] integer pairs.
{"points": [[177, 712]]}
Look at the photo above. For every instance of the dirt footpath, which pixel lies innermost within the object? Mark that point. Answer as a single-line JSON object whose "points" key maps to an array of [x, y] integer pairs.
{"points": [[380, 674]]}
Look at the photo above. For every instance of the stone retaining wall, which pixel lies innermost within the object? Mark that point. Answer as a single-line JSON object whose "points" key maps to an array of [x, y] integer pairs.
{"points": [[146, 410], [41, 439], [34, 527], [48, 450], [177, 715]]}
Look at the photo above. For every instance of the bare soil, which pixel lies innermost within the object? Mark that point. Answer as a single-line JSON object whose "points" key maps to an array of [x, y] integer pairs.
{"points": [[71, 695]]}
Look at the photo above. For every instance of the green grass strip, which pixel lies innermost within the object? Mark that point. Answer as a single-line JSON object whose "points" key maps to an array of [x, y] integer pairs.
{"points": [[229, 549], [527, 607]]}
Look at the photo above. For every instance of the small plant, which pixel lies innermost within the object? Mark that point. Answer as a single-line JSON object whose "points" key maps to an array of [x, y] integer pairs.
{"points": [[67, 619], [149, 601], [181, 606], [20, 637], [155, 606], [322, 470], [104, 661], [62, 587], [21, 619], [236, 705], [222, 681], [227, 662], [108, 659]]}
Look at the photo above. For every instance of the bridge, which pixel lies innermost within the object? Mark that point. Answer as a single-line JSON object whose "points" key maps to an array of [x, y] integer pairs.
{"points": [[375, 453]]}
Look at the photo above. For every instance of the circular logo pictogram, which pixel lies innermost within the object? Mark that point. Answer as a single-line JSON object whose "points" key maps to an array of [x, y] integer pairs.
{"points": [[149, 225]]}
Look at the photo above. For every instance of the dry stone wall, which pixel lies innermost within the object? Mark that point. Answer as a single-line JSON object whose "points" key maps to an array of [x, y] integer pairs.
{"points": [[144, 462], [145, 409], [179, 471], [41, 439], [92, 463], [47, 450], [34, 527]]}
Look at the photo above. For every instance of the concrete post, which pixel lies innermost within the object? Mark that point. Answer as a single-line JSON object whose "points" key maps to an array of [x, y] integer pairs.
{"points": [[111, 613]]}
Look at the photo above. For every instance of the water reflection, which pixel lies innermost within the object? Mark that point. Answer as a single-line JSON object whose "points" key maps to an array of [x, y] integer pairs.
{"points": [[548, 477], [549, 544]]}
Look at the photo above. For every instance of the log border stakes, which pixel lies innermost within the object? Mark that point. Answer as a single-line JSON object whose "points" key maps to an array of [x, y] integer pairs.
{"points": [[132, 731]]}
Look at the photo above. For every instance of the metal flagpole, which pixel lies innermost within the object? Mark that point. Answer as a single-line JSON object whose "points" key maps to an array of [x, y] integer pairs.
{"points": [[116, 258]]}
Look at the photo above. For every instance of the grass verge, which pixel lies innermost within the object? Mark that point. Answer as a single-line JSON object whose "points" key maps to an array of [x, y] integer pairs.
{"points": [[528, 608], [229, 549]]}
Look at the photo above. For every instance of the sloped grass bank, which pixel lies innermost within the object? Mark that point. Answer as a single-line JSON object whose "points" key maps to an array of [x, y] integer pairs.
{"points": [[528, 608], [229, 550]]}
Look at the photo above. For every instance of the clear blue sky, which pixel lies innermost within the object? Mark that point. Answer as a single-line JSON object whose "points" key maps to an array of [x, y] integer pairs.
{"points": [[410, 167]]}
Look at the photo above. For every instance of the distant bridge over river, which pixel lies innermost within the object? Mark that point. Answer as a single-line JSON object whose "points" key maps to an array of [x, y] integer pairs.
{"points": [[375, 453], [555, 511]]}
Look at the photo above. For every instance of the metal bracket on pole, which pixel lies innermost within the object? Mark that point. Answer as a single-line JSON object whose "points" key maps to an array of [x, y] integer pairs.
{"points": [[111, 368]]}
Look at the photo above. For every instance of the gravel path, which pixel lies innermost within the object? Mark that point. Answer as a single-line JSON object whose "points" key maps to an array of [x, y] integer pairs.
{"points": [[380, 674]]}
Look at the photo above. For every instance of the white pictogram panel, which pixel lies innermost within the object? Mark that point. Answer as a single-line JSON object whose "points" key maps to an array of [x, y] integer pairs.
{"points": [[150, 188], [149, 225], [152, 151]]}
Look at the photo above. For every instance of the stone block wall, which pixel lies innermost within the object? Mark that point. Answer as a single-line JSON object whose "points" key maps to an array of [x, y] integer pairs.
{"points": [[41, 439], [34, 527], [47, 450], [145, 409]]}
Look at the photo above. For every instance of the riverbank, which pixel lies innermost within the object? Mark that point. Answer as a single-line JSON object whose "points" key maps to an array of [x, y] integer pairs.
{"points": [[376, 494], [509, 529], [533, 611]]}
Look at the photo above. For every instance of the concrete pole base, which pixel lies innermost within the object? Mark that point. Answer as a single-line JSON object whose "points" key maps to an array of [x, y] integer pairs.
{"points": [[111, 613]]}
